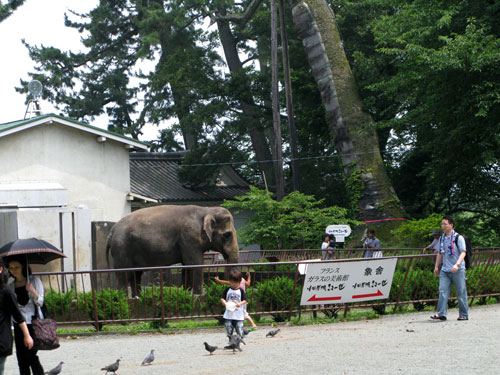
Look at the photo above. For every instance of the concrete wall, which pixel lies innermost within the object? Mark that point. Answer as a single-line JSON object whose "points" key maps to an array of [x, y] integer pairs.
{"points": [[68, 230], [96, 175], [8, 225], [100, 231]]}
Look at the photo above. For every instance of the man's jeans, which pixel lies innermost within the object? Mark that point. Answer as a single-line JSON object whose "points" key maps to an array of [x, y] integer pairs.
{"points": [[445, 280]]}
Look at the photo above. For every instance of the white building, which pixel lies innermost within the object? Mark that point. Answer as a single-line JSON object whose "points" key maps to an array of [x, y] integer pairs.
{"points": [[57, 175]]}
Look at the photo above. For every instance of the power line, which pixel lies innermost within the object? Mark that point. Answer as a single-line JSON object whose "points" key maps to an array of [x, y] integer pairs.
{"points": [[284, 160]]}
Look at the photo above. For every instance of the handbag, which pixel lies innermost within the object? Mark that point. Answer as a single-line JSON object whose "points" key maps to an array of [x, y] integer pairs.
{"points": [[44, 332]]}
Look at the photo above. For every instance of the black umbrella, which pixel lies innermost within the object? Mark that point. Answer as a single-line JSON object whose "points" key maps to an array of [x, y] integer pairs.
{"points": [[35, 251]]}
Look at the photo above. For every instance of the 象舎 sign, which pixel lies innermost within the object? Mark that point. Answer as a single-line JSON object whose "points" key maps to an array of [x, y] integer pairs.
{"points": [[342, 282]]}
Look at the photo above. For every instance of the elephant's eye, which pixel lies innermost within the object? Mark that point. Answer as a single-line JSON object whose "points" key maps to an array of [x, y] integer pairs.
{"points": [[227, 235]]}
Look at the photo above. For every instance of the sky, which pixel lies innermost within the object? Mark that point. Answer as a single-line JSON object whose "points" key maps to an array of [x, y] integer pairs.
{"points": [[38, 22]]}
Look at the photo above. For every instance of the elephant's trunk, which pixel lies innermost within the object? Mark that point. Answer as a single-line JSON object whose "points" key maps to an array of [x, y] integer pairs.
{"points": [[231, 250]]}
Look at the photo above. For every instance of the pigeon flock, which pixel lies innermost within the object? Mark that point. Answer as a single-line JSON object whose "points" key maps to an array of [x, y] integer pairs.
{"points": [[234, 344], [235, 341]]}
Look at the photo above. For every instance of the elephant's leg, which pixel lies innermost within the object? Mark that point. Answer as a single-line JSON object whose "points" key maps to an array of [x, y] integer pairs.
{"points": [[197, 280], [193, 277], [135, 282]]}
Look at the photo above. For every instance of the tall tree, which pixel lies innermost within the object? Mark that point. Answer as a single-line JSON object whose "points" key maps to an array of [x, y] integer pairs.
{"points": [[355, 136]]}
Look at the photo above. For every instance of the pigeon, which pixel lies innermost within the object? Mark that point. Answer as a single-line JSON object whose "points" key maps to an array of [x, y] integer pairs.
{"points": [[149, 358], [56, 370], [273, 333], [234, 343], [210, 348], [112, 367]]}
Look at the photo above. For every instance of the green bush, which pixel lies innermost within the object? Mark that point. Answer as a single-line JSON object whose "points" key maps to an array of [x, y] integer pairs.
{"points": [[177, 301], [417, 233], [212, 298], [276, 295], [111, 304], [295, 222], [59, 304]]}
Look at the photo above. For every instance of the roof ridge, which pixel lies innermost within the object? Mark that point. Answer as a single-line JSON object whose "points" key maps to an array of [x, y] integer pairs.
{"points": [[14, 124]]}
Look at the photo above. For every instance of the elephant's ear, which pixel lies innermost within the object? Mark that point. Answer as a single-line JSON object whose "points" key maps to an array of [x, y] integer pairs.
{"points": [[208, 223]]}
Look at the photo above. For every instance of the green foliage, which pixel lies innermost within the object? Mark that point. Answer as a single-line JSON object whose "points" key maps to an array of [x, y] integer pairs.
{"points": [[212, 298], [59, 303], [9, 7], [418, 233], [177, 301], [480, 228], [295, 222], [111, 304], [355, 187], [276, 294]]}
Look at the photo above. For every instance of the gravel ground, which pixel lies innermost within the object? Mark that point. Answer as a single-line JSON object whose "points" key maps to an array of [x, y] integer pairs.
{"points": [[393, 344]]}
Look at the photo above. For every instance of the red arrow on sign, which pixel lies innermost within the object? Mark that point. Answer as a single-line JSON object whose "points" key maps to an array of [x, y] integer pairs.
{"points": [[379, 293], [318, 299]]}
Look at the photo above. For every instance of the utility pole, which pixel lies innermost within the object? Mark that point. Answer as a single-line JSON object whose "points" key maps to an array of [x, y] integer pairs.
{"points": [[280, 186], [292, 132]]}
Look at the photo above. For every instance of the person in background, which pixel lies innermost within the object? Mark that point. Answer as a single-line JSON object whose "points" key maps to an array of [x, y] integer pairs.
{"points": [[327, 247], [371, 244], [434, 245], [451, 256], [243, 285], [29, 299], [9, 310]]}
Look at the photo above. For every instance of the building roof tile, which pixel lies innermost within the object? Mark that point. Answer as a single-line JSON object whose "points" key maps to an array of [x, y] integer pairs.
{"points": [[154, 175]]}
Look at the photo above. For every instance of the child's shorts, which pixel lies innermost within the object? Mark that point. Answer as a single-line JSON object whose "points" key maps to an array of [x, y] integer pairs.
{"points": [[245, 312]]}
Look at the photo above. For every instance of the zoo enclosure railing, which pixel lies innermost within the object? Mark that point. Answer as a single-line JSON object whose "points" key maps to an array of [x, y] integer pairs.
{"points": [[99, 297]]}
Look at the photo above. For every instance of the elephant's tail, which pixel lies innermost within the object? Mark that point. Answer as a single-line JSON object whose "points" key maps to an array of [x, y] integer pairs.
{"points": [[109, 258]]}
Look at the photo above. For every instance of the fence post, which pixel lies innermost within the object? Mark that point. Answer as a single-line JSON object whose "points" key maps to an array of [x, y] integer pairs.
{"points": [[293, 291], [403, 285], [96, 316], [161, 301], [490, 259]]}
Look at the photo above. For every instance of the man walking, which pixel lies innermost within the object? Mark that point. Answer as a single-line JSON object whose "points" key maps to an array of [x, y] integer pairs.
{"points": [[451, 255], [372, 245]]}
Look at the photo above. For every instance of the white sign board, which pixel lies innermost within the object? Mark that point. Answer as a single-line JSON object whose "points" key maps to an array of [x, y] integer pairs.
{"points": [[342, 282], [339, 231]]}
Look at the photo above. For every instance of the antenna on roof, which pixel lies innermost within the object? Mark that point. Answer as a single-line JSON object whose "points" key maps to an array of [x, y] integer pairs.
{"points": [[33, 109]]}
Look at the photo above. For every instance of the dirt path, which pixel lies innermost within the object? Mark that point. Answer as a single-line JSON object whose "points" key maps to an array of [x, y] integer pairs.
{"points": [[394, 344]]}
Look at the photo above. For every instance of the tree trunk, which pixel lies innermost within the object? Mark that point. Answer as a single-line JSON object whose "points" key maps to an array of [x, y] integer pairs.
{"points": [[182, 112], [355, 138], [259, 141]]}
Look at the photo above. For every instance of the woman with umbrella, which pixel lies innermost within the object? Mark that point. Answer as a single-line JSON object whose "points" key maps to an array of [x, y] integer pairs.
{"points": [[29, 292], [9, 310]]}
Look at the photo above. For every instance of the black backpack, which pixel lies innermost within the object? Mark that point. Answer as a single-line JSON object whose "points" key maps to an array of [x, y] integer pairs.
{"points": [[468, 250]]}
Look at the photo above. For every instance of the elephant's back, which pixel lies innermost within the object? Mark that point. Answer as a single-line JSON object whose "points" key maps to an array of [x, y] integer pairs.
{"points": [[142, 237]]}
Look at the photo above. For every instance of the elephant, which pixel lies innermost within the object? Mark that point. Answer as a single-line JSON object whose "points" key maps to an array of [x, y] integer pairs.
{"points": [[169, 234]]}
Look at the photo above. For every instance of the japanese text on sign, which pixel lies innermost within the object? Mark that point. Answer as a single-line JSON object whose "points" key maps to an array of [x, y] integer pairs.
{"points": [[348, 281]]}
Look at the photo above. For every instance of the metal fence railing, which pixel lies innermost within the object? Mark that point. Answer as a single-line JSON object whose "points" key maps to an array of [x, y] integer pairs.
{"points": [[189, 292]]}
